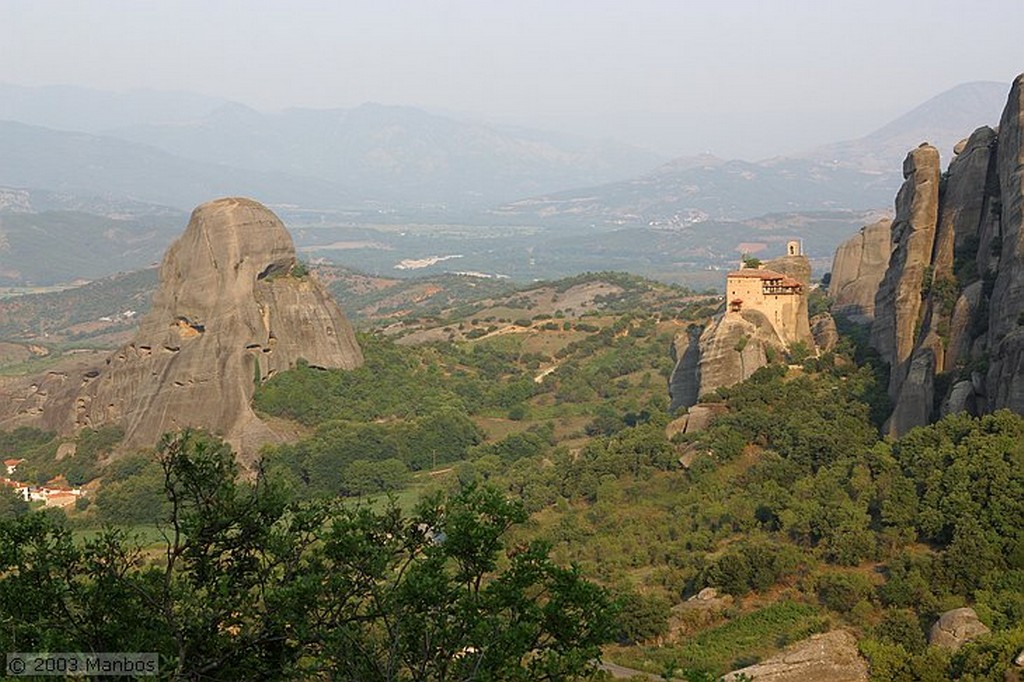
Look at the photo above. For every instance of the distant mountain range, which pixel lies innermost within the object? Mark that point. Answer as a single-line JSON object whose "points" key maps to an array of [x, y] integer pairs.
{"points": [[942, 121], [93, 182], [69, 107], [400, 155], [858, 174], [180, 149], [83, 164]]}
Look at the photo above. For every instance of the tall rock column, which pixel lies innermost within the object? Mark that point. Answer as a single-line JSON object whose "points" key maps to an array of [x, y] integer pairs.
{"points": [[971, 191], [1005, 382], [231, 310], [898, 305], [948, 314]]}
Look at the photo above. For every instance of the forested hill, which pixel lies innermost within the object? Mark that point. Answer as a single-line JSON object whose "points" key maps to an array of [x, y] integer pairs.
{"points": [[789, 506]]}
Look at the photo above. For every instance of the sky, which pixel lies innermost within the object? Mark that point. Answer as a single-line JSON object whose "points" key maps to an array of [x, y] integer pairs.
{"points": [[738, 78]]}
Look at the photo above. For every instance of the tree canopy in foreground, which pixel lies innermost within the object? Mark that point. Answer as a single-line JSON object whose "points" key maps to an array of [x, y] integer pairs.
{"points": [[250, 585]]}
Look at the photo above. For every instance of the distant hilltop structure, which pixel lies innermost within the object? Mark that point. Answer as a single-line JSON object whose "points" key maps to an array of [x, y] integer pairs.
{"points": [[765, 314], [776, 295]]}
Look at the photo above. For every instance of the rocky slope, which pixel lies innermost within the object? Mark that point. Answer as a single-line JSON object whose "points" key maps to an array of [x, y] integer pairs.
{"points": [[949, 309], [827, 657], [232, 309]]}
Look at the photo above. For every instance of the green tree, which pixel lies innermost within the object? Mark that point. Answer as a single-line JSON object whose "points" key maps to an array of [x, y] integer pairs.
{"points": [[252, 586], [641, 617], [901, 626], [132, 493], [11, 503]]}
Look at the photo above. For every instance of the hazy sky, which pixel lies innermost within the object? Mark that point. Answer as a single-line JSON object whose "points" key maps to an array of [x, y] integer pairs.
{"points": [[739, 78]]}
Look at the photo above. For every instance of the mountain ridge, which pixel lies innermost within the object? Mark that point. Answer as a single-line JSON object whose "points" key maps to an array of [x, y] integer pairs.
{"points": [[95, 165], [861, 173]]}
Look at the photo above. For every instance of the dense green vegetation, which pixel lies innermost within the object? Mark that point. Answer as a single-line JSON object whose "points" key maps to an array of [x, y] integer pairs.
{"points": [[248, 585], [38, 449], [790, 505]]}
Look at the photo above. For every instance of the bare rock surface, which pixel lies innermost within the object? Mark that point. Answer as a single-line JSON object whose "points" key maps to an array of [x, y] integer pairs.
{"points": [[961, 398], [964, 198], [683, 384], [232, 309], [857, 270], [1006, 372], [828, 657], [823, 328], [729, 350], [955, 628], [917, 394], [700, 416], [898, 303], [962, 323]]}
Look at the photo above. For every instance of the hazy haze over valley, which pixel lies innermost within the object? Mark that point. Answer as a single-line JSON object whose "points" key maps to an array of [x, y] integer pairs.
{"points": [[528, 141]]}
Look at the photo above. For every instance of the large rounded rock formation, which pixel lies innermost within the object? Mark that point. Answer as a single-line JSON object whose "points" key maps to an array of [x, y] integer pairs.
{"points": [[233, 308]]}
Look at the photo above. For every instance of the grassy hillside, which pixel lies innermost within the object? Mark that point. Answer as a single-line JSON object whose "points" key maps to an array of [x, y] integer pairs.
{"points": [[54, 247], [75, 314]]}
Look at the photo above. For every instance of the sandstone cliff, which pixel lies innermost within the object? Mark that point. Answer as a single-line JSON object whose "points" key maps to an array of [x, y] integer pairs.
{"points": [[728, 351], [232, 309], [1005, 381], [857, 270], [898, 303], [949, 310]]}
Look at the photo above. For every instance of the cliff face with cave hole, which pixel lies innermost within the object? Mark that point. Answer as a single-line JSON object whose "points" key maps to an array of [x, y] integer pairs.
{"points": [[949, 310], [232, 309]]}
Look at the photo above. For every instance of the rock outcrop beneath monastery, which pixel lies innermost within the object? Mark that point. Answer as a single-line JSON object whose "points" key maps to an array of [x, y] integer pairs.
{"points": [[728, 351], [684, 383], [823, 328], [857, 270], [233, 308], [951, 304], [828, 657]]}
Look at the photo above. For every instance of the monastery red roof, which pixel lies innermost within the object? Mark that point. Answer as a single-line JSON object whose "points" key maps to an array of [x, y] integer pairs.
{"points": [[757, 273]]}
